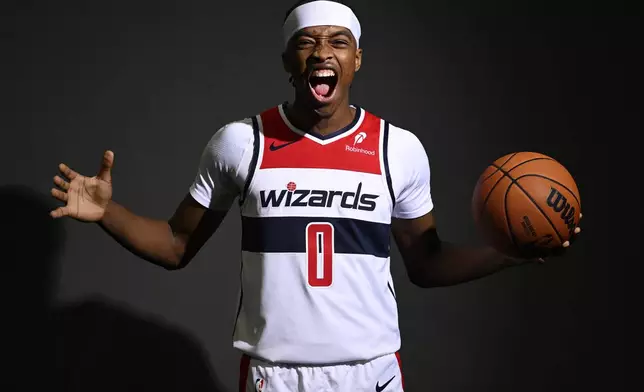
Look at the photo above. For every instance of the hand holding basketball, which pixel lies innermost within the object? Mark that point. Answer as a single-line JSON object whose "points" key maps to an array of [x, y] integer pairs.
{"points": [[86, 197], [550, 252], [527, 206]]}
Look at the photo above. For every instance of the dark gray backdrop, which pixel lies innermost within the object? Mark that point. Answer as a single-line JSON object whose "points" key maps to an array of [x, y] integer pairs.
{"points": [[153, 83]]}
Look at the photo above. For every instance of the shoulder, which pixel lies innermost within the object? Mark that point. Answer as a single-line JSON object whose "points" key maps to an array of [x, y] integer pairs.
{"points": [[239, 132], [410, 174], [401, 140], [244, 131], [230, 144], [236, 135], [406, 154]]}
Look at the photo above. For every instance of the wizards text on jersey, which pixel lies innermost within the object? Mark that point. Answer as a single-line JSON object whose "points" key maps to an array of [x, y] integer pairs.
{"points": [[322, 198]]}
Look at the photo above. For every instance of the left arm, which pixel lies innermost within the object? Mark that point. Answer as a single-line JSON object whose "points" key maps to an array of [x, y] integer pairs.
{"points": [[431, 262]]}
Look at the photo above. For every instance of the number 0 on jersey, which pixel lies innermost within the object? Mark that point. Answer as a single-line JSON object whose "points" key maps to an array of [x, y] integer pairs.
{"points": [[319, 254]]}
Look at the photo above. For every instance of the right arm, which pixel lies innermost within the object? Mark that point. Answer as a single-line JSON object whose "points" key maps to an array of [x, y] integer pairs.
{"points": [[169, 243]]}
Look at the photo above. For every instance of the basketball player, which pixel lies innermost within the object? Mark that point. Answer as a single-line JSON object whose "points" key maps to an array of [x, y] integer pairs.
{"points": [[321, 184]]}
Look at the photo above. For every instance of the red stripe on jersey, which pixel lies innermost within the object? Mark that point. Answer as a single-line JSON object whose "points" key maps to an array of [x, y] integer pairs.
{"points": [[244, 369], [402, 378], [358, 151]]}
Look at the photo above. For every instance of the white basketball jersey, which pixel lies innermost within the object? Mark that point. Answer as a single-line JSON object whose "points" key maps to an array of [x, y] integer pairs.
{"points": [[316, 214]]}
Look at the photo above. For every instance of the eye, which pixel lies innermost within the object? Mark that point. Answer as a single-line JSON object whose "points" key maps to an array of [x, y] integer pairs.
{"points": [[303, 44], [340, 42]]}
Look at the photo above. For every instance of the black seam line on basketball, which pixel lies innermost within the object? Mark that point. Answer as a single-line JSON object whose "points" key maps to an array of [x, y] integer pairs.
{"points": [[513, 238], [500, 168], [505, 173], [535, 204], [487, 197], [497, 169], [528, 161], [556, 182]]}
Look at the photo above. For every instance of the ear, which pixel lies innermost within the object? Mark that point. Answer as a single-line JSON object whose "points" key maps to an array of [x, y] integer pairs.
{"points": [[358, 59], [286, 63]]}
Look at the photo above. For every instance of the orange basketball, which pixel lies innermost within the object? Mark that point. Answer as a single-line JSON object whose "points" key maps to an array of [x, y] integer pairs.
{"points": [[526, 204]]}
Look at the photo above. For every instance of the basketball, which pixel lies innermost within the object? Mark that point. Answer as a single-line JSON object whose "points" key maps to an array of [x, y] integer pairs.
{"points": [[526, 204]]}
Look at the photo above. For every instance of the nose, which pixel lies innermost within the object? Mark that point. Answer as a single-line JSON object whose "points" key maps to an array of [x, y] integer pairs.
{"points": [[323, 51]]}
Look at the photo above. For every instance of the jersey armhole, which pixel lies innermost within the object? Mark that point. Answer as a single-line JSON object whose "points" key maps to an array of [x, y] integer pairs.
{"points": [[253, 162], [385, 160]]}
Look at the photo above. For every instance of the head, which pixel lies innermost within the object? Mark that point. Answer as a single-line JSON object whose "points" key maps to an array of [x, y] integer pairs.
{"points": [[322, 53]]}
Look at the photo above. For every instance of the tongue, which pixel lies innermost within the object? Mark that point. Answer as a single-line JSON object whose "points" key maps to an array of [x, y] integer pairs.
{"points": [[322, 89]]}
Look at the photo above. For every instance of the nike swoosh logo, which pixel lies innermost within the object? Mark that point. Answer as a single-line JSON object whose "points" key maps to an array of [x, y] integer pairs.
{"points": [[381, 388], [273, 147]]}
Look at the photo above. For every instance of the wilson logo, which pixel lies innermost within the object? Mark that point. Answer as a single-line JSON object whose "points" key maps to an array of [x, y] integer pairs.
{"points": [[560, 205], [322, 198]]}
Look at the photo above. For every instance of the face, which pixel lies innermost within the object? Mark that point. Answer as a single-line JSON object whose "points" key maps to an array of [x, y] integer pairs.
{"points": [[322, 61]]}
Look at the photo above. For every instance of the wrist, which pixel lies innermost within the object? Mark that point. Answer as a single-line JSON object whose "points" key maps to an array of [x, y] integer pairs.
{"points": [[106, 212], [504, 260]]}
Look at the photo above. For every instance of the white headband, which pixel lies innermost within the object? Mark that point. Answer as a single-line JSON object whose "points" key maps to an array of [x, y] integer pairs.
{"points": [[321, 13]]}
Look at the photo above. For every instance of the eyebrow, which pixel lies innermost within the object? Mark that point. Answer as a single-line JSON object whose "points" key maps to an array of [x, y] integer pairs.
{"points": [[344, 32]]}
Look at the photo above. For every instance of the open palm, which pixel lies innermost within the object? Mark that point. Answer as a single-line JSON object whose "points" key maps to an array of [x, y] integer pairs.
{"points": [[85, 198]]}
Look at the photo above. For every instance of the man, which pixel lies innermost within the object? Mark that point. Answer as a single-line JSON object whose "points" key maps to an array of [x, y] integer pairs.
{"points": [[321, 184]]}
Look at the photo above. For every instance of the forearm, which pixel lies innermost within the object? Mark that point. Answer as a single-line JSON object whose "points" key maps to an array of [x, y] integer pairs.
{"points": [[150, 239], [452, 264]]}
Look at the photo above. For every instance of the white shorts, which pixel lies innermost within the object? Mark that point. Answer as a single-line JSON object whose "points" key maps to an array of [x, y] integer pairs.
{"points": [[383, 374]]}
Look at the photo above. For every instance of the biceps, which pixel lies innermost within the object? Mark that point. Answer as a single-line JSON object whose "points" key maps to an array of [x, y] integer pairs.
{"points": [[416, 238], [193, 224]]}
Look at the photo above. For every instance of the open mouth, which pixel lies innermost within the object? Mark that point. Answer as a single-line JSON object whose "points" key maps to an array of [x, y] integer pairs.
{"points": [[323, 83]]}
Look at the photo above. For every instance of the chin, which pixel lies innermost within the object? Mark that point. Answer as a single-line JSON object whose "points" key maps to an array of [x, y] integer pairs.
{"points": [[325, 111], [324, 105]]}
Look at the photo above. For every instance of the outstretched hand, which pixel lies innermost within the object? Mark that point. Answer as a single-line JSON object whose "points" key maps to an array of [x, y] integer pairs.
{"points": [[85, 198]]}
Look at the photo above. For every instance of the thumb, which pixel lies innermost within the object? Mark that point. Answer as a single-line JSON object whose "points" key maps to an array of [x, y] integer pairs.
{"points": [[105, 173]]}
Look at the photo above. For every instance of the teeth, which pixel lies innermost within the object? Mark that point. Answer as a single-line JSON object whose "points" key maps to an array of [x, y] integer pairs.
{"points": [[323, 73]]}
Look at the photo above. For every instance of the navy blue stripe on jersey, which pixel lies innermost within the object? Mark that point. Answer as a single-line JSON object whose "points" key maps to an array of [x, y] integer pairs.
{"points": [[385, 157], [254, 159], [242, 197], [288, 235], [241, 296]]}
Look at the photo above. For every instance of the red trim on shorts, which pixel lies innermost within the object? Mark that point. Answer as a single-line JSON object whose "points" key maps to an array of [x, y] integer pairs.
{"points": [[244, 366], [402, 379]]}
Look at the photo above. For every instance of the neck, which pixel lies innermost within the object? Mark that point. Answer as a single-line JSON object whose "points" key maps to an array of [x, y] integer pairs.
{"points": [[321, 121]]}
